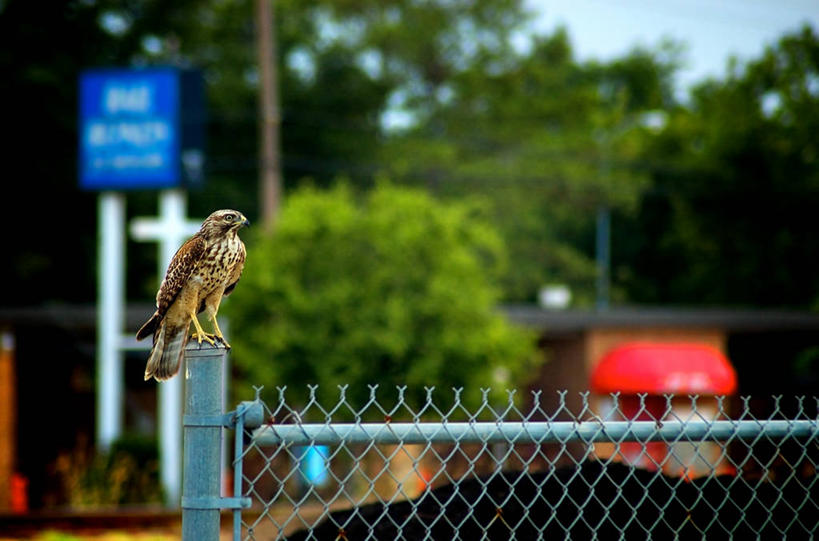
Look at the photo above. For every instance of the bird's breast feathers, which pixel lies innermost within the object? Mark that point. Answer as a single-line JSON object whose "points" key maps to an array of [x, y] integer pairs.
{"points": [[218, 263]]}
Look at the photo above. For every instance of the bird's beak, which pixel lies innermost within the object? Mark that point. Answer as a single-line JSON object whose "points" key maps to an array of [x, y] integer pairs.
{"points": [[245, 222]]}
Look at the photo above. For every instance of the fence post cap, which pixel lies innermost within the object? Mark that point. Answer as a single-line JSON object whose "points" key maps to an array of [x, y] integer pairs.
{"points": [[193, 349]]}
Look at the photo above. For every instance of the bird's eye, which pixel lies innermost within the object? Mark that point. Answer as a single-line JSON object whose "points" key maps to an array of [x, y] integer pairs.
{"points": [[229, 218]]}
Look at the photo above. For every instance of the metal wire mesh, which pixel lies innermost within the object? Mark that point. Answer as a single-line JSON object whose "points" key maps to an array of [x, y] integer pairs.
{"points": [[619, 467]]}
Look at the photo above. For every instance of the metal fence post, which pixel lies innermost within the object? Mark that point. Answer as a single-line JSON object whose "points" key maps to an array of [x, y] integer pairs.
{"points": [[202, 442]]}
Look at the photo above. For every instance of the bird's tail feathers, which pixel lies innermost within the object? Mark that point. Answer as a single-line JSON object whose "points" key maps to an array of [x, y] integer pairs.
{"points": [[166, 355], [150, 326]]}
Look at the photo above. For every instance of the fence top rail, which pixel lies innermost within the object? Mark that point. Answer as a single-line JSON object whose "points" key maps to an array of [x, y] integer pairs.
{"points": [[414, 404], [532, 432]]}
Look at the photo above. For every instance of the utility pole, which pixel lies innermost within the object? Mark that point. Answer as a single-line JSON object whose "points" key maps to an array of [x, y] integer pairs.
{"points": [[603, 257], [270, 183], [603, 230]]}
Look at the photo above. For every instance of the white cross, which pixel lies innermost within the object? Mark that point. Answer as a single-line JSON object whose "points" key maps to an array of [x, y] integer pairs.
{"points": [[170, 230]]}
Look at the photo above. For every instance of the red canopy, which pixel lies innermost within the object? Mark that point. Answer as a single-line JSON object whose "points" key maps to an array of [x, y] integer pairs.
{"points": [[680, 368]]}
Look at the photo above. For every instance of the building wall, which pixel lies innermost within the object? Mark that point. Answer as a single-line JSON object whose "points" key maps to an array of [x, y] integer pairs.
{"points": [[563, 369], [571, 358]]}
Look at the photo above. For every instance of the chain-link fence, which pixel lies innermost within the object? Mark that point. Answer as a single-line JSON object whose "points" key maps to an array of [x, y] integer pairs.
{"points": [[448, 465], [620, 467]]}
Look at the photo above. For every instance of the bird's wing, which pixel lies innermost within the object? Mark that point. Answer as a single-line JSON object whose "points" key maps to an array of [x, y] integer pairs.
{"points": [[236, 272], [179, 271]]}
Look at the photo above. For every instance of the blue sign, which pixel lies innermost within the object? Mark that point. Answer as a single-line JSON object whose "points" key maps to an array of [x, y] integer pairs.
{"points": [[132, 132]]}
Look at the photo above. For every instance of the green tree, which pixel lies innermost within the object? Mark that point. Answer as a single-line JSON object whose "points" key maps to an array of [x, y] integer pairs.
{"points": [[729, 217], [394, 288], [715, 209], [341, 64], [548, 141]]}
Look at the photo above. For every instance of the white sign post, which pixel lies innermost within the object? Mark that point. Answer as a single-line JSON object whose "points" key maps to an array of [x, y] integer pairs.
{"points": [[110, 315], [170, 230], [139, 128]]}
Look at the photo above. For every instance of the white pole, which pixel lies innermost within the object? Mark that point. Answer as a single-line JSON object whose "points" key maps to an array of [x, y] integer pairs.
{"points": [[172, 210], [110, 315]]}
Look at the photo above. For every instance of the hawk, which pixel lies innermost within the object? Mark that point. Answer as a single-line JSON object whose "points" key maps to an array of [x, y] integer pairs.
{"points": [[204, 269]]}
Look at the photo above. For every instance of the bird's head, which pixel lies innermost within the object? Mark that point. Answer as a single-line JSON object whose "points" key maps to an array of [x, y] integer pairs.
{"points": [[223, 222]]}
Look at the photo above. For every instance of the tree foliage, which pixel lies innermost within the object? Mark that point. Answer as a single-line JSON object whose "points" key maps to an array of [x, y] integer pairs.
{"points": [[393, 288], [714, 207], [341, 64], [549, 141], [729, 217]]}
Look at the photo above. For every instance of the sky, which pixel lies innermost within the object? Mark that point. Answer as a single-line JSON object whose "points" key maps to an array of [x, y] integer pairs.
{"points": [[712, 30]]}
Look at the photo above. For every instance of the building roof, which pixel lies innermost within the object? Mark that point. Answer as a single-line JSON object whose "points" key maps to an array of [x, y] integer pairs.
{"points": [[74, 316], [735, 320], [71, 316]]}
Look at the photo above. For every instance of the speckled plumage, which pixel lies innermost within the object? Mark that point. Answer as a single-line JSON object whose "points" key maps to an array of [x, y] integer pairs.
{"points": [[204, 269]]}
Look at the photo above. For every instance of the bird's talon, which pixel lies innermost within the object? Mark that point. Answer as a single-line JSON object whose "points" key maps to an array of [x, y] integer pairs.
{"points": [[221, 340], [209, 338]]}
